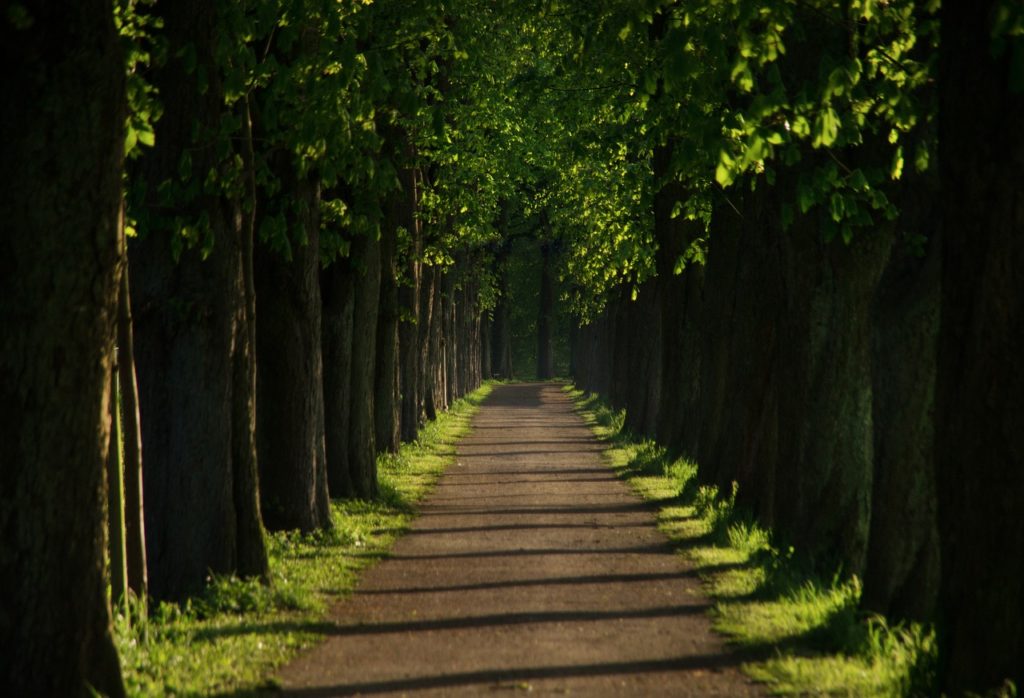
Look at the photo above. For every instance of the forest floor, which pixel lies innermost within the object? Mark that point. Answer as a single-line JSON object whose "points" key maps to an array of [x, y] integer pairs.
{"points": [[530, 567]]}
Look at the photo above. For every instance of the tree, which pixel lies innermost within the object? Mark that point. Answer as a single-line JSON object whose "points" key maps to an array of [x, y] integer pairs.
{"points": [[62, 115], [193, 320], [979, 442]]}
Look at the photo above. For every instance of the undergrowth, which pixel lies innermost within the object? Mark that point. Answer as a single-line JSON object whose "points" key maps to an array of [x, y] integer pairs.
{"points": [[807, 632], [234, 635]]}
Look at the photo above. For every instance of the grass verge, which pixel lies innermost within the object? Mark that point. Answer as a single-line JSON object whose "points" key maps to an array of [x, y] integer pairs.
{"points": [[807, 633], [233, 637]]}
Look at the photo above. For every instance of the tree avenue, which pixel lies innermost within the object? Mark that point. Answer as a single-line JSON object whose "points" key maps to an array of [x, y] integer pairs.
{"points": [[784, 237]]}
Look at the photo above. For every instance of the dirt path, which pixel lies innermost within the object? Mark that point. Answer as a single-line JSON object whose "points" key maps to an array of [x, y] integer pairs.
{"points": [[530, 568]]}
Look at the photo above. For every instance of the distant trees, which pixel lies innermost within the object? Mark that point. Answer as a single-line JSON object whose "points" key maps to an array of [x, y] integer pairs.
{"points": [[821, 338]]}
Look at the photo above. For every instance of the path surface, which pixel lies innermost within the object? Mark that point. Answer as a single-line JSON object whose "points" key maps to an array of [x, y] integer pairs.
{"points": [[530, 568]]}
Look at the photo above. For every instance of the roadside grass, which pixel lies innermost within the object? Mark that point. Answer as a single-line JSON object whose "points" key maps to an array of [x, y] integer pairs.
{"points": [[807, 633], [233, 637]]}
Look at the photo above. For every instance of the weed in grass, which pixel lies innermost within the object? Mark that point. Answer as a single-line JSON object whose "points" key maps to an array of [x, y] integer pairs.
{"points": [[233, 635], [817, 641]]}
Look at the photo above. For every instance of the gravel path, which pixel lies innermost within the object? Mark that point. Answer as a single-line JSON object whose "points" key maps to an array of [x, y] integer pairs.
{"points": [[530, 568]]}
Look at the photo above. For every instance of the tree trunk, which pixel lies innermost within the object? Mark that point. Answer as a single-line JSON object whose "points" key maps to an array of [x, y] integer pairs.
{"points": [[980, 380], [62, 115], [409, 332], [428, 349], [118, 570], [362, 451], [902, 575], [825, 461], [387, 403], [337, 287], [641, 341], [135, 529], [738, 320], [194, 341], [450, 339], [289, 386], [679, 298], [251, 548], [545, 313]]}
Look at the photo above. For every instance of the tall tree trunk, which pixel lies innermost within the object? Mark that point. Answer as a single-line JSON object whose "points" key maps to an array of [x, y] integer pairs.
{"points": [[980, 379], [545, 317], [409, 342], [194, 340], [118, 570], [337, 287], [289, 386], [135, 528], [501, 334], [362, 448], [679, 298], [62, 116], [251, 549], [825, 464], [902, 575], [387, 403], [428, 350], [450, 339]]}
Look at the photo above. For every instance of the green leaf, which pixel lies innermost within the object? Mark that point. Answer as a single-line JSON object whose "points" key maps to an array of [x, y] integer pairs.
{"points": [[896, 169], [185, 166], [826, 128]]}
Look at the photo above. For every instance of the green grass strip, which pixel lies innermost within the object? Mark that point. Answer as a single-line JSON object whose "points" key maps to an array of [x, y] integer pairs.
{"points": [[806, 633], [233, 637]]}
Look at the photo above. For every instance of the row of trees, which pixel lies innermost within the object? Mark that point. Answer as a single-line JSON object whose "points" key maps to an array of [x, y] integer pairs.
{"points": [[790, 232], [827, 304], [241, 204]]}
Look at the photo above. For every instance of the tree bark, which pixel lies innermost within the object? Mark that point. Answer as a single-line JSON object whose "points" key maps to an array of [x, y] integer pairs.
{"points": [[387, 403], [135, 528], [825, 462], [429, 313], [409, 343], [118, 569], [337, 285], [194, 340], [979, 411], [289, 386], [62, 117], [545, 313], [902, 575], [362, 451]]}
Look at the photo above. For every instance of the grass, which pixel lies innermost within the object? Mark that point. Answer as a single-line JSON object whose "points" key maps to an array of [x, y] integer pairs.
{"points": [[233, 637], [808, 632]]}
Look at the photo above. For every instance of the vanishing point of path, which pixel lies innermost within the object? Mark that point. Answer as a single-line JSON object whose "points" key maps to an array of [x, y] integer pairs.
{"points": [[530, 568]]}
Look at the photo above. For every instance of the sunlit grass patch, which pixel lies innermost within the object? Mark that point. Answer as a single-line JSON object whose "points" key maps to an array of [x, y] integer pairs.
{"points": [[234, 635], [813, 636]]}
